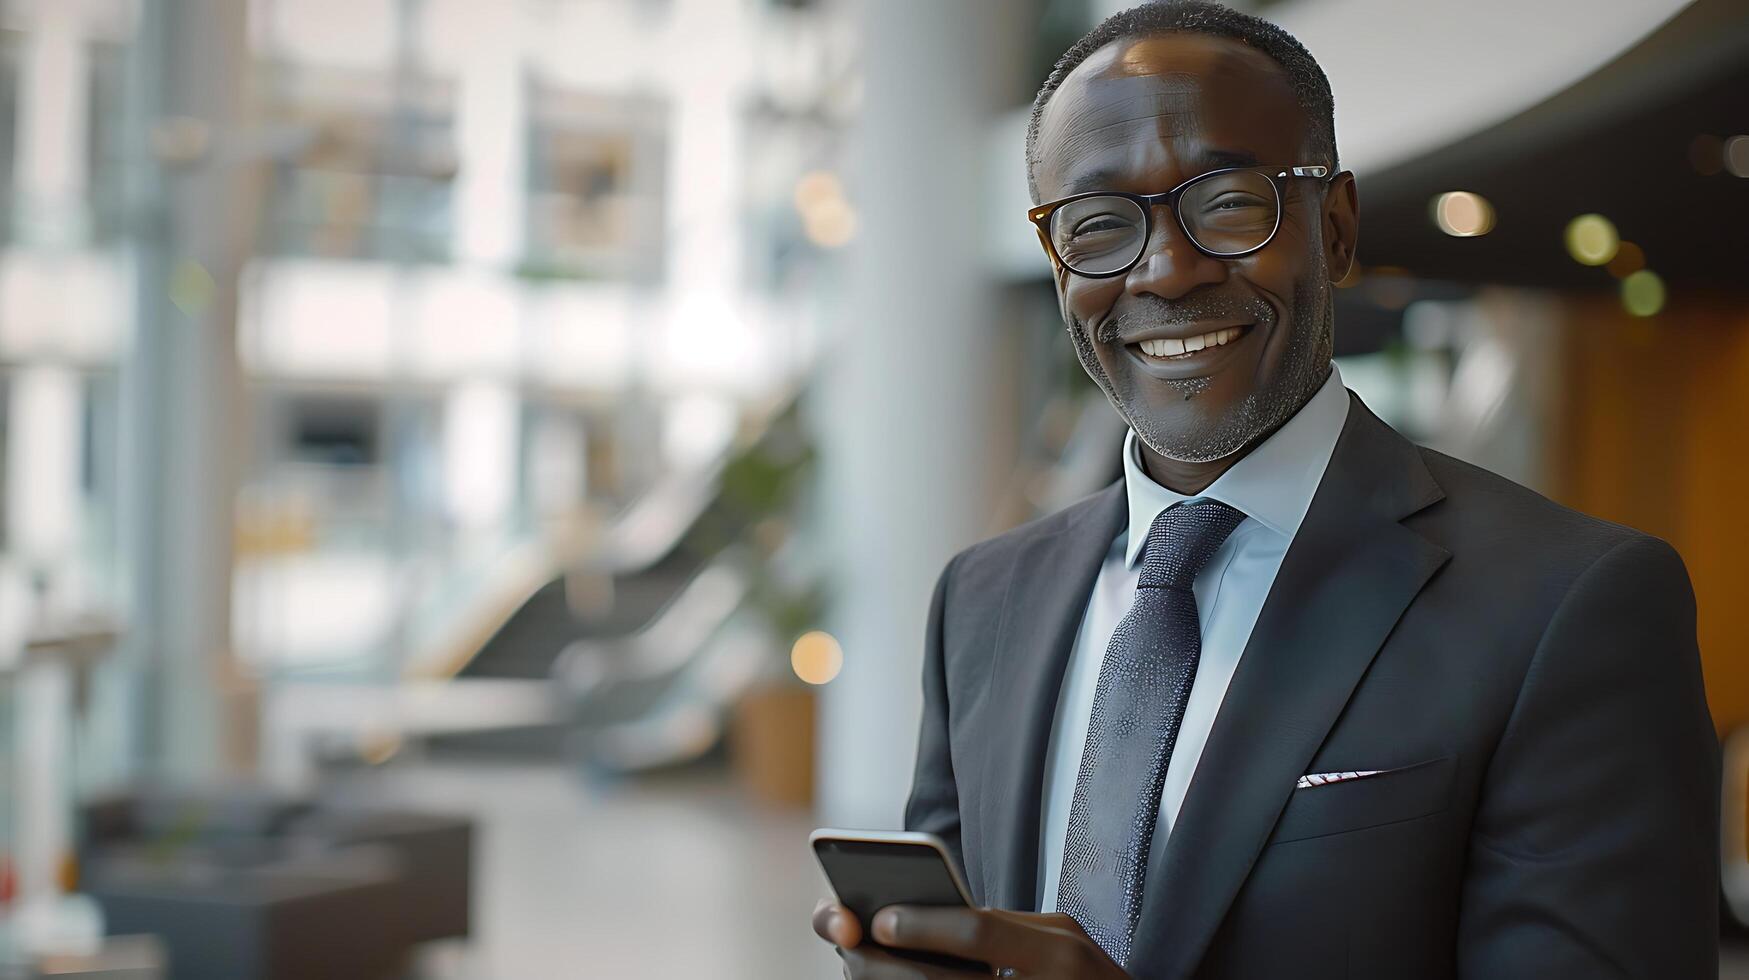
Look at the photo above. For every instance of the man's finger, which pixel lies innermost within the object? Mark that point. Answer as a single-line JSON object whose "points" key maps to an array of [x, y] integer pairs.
{"points": [[835, 924], [976, 934], [869, 963]]}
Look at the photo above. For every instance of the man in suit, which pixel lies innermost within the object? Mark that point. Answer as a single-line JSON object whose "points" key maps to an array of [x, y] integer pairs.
{"points": [[1294, 697]]}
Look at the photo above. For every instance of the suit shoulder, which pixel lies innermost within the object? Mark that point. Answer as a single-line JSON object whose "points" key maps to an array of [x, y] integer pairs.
{"points": [[1483, 509]]}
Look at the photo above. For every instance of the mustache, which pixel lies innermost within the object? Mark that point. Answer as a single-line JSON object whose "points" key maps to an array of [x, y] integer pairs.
{"points": [[1151, 312]]}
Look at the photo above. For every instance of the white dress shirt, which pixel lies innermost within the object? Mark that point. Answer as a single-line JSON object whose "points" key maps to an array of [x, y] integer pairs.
{"points": [[1273, 486]]}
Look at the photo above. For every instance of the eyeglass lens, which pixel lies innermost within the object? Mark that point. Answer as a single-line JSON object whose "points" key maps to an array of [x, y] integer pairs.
{"points": [[1224, 214]]}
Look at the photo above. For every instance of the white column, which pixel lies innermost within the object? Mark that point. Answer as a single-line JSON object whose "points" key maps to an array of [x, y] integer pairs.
{"points": [[480, 428], [51, 173], [706, 339], [490, 141], [183, 394], [42, 464], [907, 378], [42, 727]]}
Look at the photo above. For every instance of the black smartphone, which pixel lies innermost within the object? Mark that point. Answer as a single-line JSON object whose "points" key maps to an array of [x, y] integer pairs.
{"points": [[872, 869]]}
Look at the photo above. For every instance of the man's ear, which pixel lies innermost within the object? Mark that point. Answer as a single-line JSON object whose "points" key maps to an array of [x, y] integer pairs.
{"points": [[1341, 225]]}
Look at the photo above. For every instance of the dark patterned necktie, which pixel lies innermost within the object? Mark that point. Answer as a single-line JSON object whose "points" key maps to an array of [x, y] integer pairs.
{"points": [[1144, 684]]}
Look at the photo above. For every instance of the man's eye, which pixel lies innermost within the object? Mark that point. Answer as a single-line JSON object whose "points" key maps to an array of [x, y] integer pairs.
{"points": [[1234, 202], [1100, 223]]}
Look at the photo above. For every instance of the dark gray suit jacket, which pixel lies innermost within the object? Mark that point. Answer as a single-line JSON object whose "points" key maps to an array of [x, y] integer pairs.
{"points": [[1529, 673]]}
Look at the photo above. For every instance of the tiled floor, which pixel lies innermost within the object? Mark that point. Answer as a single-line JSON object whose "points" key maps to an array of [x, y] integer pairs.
{"points": [[669, 878]]}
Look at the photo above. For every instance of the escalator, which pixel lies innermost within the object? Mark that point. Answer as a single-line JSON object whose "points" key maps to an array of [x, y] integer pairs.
{"points": [[527, 644], [651, 630]]}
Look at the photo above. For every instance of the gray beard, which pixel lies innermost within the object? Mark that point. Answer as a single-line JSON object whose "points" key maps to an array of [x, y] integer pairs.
{"points": [[1304, 367]]}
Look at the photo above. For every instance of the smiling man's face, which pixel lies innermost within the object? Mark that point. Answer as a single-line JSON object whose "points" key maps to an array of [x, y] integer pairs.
{"points": [[1143, 115]]}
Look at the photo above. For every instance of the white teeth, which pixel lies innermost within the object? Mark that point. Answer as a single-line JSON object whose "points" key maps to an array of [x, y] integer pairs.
{"points": [[1163, 348], [1169, 347]]}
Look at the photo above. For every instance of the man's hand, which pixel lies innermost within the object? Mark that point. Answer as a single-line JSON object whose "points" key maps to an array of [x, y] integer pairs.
{"points": [[1016, 944]]}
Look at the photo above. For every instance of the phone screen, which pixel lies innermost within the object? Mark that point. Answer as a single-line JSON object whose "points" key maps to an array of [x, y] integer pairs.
{"points": [[870, 875]]}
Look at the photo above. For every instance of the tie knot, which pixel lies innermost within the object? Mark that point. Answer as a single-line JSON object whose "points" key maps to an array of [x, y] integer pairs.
{"points": [[1181, 541]]}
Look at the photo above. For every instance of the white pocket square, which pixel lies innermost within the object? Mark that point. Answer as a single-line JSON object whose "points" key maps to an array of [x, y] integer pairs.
{"points": [[1326, 778]]}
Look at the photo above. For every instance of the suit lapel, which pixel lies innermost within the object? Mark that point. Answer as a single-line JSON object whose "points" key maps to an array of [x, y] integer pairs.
{"points": [[1047, 595], [1346, 578]]}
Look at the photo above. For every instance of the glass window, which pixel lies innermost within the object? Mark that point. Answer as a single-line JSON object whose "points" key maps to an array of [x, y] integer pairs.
{"points": [[595, 173], [375, 174]]}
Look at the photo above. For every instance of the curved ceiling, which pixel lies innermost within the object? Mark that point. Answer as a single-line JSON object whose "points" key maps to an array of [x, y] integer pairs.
{"points": [[1410, 75], [1624, 141]]}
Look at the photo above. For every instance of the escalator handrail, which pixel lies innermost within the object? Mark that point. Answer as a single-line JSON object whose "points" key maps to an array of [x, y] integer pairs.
{"points": [[638, 538], [667, 642]]}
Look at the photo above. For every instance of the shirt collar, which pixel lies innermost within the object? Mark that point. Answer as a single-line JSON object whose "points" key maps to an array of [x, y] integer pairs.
{"points": [[1272, 485]]}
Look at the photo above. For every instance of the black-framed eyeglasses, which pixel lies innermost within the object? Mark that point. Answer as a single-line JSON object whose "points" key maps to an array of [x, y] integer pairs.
{"points": [[1224, 213]]}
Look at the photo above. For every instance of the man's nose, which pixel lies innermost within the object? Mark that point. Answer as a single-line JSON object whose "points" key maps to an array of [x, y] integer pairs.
{"points": [[1170, 265]]}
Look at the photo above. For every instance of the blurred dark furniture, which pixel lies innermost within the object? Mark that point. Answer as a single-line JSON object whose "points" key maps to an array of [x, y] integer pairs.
{"points": [[244, 885]]}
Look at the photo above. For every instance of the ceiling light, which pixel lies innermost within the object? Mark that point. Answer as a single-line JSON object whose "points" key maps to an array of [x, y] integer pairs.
{"points": [[1463, 214], [1737, 156], [1592, 239], [816, 657], [1642, 293]]}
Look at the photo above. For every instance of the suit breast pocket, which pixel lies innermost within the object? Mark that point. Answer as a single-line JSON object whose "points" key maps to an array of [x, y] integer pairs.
{"points": [[1390, 797]]}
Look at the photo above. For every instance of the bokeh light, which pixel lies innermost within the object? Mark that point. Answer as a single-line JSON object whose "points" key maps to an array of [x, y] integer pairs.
{"points": [[828, 220], [1463, 214], [1642, 293], [1629, 259], [191, 287], [831, 225], [816, 188], [1592, 239], [816, 657], [1737, 156]]}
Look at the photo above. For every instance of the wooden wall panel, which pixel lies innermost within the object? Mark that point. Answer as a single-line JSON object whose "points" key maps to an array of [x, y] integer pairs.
{"points": [[1654, 433]]}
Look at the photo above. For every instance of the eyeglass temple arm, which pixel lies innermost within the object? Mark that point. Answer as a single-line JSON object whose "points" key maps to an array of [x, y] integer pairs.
{"points": [[1045, 241]]}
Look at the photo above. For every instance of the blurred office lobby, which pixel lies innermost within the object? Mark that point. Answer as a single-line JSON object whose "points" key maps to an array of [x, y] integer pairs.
{"points": [[471, 474]]}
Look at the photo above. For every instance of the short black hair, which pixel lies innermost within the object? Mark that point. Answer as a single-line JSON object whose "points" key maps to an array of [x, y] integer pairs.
{"points": [[1310, 86]]}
